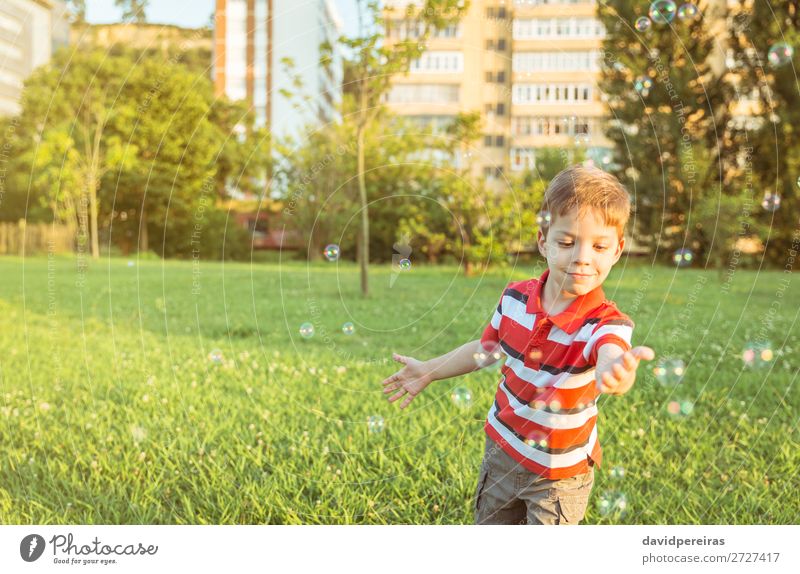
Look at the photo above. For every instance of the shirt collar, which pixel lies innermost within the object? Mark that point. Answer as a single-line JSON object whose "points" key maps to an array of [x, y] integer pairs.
{"points": [[571, 318]]}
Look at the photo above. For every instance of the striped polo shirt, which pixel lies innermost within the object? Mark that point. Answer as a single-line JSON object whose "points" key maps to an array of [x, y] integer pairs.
{"points": [[545, 413]]}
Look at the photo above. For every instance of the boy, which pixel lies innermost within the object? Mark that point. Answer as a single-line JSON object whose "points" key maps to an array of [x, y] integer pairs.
{"points": [[563, 344]]}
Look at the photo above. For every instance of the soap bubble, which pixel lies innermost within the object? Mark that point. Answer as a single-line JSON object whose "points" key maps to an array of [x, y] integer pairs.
{"points": [[662, 11], [771, 202], [669, 372], [331, 252], [348, 328], [306, 330], [481, 359], [375, 423], [131, 263], [642, 84], [613, 502], [543, 218], [680, 408], [798, 182], [405, 264], [758, 354], [643, 24], [581, 139], [215, 356], [461, 397], [537, 439], [688, 11], [617, 473], [780, 54], [683, 257]]}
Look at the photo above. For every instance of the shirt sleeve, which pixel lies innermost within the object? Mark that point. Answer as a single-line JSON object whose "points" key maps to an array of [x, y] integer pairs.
{"points": [[491, 334], [616, 329]]}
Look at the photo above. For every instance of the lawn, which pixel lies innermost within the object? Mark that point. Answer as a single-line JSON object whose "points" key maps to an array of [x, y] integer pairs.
{"points": [[162, 393]]}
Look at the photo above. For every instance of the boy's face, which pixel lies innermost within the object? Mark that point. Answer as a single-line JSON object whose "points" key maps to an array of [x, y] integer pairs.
{"points": [[580, 251]]}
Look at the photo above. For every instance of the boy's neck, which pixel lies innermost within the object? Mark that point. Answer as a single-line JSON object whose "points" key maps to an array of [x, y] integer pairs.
{"points": [[555, 301]]}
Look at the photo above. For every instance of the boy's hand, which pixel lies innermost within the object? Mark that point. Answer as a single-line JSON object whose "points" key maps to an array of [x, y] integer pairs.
{"points": [[411, 379], [618, 376]]}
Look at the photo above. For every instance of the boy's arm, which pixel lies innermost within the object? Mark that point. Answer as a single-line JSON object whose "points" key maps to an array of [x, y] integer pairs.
{"points": [[459, 361], [416, 375], [616, 368]]}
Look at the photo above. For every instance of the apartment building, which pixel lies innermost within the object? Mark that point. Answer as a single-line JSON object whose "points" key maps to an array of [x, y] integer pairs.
{"points": [[30, 31], [529, 66], [254, 39]]}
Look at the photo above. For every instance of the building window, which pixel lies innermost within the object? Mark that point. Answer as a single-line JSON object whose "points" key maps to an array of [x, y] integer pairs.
{"points": [[501, 109], [439, 62], [487, 141], [535, 93], [501, 77], [536, 28], [423, 93]]}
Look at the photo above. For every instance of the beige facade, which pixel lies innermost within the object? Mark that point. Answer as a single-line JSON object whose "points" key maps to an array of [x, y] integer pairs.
{"points": [[530, 67], [29, 33]]}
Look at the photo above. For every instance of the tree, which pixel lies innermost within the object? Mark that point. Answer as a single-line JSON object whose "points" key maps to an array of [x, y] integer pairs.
{"points": [[132, 145], [78, 10], [69, 107], [374, 64], [133, 10], [765, 41], [663, 97]]}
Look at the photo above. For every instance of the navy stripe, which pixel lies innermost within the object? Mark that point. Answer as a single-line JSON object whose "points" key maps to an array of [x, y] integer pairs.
{"points": [[514, 294]]}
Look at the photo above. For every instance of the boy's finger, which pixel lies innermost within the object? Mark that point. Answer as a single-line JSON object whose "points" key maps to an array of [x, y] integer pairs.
{"points": [[607, 383], [390, 389], [629, 361], [645, 353], [619, 371], [397, 395], [391, 379], [407, 402], [400, 358]]}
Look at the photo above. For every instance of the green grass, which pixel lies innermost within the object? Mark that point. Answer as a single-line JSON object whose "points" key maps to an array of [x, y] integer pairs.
{"points": [[111, 411]]}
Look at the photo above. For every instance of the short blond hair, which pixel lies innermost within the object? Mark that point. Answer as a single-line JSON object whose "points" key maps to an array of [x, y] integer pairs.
{"points": [[586, 188]]}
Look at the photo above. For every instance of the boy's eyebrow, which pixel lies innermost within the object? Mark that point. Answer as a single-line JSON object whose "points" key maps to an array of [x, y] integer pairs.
{"points": [[596, 237]]}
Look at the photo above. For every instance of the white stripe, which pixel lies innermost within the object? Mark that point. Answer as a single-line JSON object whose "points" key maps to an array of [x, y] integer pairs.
{"points": [[496, 320], [580, 336], [624, 332], [575, 381], [558, 421], [514, 309], [549, 460]]}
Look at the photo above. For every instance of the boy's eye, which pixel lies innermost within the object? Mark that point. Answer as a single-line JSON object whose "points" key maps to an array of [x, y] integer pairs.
{"points": [[565, 244], [601, 247]]}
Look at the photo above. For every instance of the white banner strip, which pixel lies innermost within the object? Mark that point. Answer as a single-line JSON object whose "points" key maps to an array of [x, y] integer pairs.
{"points": [[400, 549]]}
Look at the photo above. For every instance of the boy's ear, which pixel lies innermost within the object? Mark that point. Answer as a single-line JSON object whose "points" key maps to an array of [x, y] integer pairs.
{"points": [[620, 247], [540, 239]]}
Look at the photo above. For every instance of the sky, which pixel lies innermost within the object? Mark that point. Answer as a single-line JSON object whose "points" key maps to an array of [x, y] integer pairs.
{"points": [[192, 13]]}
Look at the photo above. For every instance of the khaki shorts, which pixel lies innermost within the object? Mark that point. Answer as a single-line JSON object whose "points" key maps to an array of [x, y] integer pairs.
{"points": [[508, 493]]}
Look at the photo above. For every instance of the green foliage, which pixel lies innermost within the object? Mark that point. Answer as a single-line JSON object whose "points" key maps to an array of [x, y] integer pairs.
{"points": [[150, 132], [768, 145], [656, 130]]}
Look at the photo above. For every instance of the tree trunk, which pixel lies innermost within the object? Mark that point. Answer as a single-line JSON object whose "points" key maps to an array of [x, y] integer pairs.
{"points": [[144, 239], [93, 215], [362, 192]]}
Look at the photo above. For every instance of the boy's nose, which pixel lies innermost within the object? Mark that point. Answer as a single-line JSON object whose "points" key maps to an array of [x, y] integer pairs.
{"points": [[582, 253]]}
